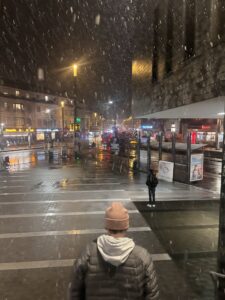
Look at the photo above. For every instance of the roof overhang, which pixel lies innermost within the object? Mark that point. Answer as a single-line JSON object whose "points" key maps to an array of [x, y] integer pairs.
{"points": [[208, 109]]}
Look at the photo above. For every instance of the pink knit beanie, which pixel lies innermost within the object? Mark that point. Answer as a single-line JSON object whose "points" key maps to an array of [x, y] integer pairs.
{"points": [[116, 217]]}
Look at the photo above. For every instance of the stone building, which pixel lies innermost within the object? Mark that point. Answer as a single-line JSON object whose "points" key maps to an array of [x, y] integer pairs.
{"points": [[179, 59]]}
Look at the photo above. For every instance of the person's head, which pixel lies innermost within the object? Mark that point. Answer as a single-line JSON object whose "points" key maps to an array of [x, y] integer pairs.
{"points": [[116, 219], [152, 171]]}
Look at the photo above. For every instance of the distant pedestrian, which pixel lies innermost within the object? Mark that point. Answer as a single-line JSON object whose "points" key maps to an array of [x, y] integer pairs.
{"points": [[135, 166], [113, 267], [152, 183], [79, 146]]}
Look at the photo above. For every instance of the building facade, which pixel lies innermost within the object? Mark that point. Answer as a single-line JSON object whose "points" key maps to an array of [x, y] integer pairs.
{"points": [[178, 57], [25, 113]]}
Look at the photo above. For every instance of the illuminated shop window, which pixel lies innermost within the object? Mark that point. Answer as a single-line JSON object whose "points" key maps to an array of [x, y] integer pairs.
{"points": [[18, 106]]}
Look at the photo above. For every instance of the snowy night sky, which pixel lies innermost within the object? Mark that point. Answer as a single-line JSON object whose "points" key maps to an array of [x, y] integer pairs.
{"points": [[54, 34]]}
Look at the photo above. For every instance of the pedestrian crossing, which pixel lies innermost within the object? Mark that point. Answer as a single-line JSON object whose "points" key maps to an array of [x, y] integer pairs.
{"points": [[57, 211]]}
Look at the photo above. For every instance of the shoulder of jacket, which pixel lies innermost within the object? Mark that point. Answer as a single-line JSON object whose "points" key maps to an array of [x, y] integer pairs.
{"points": [[90, 250], [91, 247], [142, 254]]}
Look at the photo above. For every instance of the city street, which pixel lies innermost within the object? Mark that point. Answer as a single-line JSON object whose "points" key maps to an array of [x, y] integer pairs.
{"points": [[96, 99], [49, 212]]}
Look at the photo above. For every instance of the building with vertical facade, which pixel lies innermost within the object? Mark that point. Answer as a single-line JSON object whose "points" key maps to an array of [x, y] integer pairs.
{"points": [[178, 69]]}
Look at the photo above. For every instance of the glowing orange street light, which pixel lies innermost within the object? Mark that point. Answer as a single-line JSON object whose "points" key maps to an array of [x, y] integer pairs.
{"points": [[75, 70]]}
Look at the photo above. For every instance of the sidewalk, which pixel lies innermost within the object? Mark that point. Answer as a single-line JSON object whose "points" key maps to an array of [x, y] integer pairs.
{"points": [[185, 221], [21, 148]]}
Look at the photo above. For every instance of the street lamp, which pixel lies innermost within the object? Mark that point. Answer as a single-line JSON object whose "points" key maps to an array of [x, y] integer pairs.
{"points": [[47, 111], [75, 68], [75, 73], [114, 110], [95, 115], [62, 107], [2, 127]]}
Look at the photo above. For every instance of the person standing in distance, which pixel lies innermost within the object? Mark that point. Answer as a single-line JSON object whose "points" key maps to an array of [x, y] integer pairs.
{"points": [[151, 182], [113, 267]]}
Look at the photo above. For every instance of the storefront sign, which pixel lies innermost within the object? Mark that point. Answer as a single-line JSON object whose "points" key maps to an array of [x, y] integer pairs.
{"points": [[8, 130], [146, 126], [47, 130], [166, 170], [196, 168]]}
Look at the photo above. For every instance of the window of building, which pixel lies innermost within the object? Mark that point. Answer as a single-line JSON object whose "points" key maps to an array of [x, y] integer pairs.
{"points": [[221, 14], [6, 105], [38, 108], [28, 121], [190, 14], [169, 39], [217, 21], [39, 123], [155, 54], [18, 106], [20, 122]]}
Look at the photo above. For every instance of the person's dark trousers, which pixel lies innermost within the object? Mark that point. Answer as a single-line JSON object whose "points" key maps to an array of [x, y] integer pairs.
{"points": [[151, 193]]}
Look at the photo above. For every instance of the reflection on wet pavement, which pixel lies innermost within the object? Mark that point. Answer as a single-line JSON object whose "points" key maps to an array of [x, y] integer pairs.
{"points": [[19, 161]]}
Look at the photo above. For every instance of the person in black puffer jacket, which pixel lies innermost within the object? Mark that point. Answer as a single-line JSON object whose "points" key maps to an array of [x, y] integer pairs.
{"points": [[113, 267]]}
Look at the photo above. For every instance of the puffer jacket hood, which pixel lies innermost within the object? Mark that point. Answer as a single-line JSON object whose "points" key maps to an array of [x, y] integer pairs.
{"points": [[115, 250]]}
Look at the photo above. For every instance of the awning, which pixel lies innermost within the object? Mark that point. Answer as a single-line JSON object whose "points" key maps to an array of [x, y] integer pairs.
{"points": [[208, 109]]}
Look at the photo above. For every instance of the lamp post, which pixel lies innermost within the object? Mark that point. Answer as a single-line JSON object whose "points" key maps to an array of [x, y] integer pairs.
{"points": [[2, 128], [114, 111], [47, 111], [49, 123], [62, 107], [1, 136], [110, 102], [75, 73]]}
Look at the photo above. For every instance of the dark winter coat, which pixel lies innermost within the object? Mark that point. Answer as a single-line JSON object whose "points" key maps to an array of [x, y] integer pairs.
{"points": [[95, 279], [152, 180]]}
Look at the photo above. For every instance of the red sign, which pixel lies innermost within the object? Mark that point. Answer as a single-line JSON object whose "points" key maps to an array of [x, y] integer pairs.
{"points": [[193, 137], [205, 127]]}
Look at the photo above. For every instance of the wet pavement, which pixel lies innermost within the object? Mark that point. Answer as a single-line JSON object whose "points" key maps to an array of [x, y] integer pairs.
{"points": [[49, 212]]}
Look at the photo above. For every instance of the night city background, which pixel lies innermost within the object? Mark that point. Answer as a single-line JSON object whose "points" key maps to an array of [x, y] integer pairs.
{"points": [[107, 101]]}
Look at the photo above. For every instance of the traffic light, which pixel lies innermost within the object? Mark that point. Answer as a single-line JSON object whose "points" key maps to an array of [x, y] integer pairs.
{"points": [[77, 120]]}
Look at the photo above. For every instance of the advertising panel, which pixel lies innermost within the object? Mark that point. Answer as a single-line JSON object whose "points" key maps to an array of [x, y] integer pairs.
{"points": [[166, 170], [196, 168], [40, 136]]}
